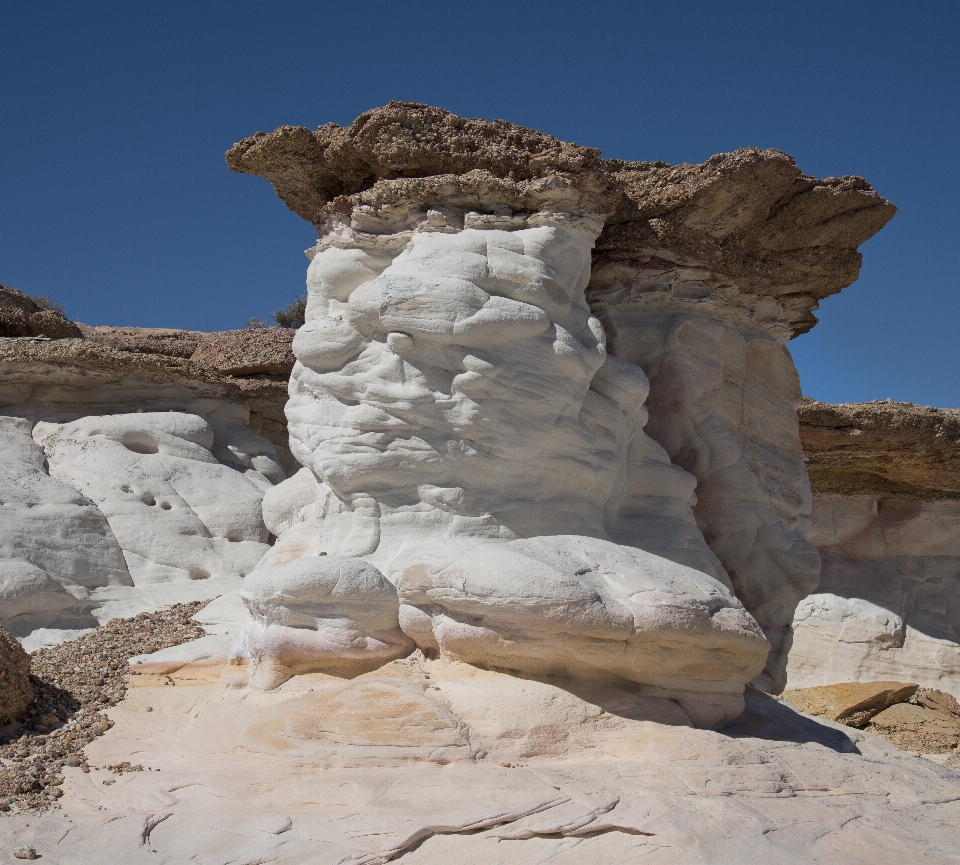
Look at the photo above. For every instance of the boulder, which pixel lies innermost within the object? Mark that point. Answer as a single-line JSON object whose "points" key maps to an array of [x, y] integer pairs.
{"points": [[16, 691], [850, 703], [581, 608], [322, 614]]}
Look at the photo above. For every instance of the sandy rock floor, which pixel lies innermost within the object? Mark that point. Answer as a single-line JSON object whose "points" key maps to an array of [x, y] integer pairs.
{"points": [[73, 683], [437, 762]]}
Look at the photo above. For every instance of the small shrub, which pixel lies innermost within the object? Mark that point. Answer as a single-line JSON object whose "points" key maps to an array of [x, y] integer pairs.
{"points": [[253, 323], [291, 315], [46, 303]]}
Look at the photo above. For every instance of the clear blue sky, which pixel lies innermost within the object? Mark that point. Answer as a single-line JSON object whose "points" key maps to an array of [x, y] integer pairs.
{"points": [[114, 117]]}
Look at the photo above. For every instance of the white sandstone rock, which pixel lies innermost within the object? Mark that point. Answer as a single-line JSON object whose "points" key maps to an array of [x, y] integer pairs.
{"points": [[583, 608], [55, 545], [176, 512], [723, 405], [888, 605], [322, 614], [452, 386]]}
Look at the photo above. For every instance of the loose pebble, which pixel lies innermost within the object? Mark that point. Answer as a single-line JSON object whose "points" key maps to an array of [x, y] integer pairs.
{"points": [[73, 683]]}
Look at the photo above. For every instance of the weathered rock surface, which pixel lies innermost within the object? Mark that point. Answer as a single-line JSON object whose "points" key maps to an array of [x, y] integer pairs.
{"points": [[585, 609], [447, 296], [723, 405], [176, 511], [22, 316], [327, 614], [851, 703], [171, 342], [111, 514], [433, 762], [66, 379], [255, 351], [882, 449], [16, 691], [919, 728], [888, 604], [745, 236], [886, 519], [914, 719]]}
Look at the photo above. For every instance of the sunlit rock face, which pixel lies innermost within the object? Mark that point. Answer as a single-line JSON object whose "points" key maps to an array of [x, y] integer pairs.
{"points": [[110, 515], [454, 385]]}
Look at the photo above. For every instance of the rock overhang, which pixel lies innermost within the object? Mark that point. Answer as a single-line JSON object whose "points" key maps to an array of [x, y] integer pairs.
{"points": [[745, 237]]}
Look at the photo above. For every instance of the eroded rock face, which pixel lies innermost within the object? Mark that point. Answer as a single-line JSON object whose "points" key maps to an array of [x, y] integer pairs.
{"points": [[118, 513], [582, 608], [886, 520], [453, 385], [176, 511], [723, 405], [888, 604]]}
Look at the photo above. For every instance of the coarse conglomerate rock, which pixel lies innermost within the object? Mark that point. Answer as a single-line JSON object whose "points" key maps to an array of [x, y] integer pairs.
{"points": [[886, 521], [16, 691], [254, 351], [475, 281]]}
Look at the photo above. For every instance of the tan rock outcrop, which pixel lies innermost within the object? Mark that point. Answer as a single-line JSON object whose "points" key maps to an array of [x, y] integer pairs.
{"points": [[16, 691], [882, 449], [850, 703], [145, 340]]}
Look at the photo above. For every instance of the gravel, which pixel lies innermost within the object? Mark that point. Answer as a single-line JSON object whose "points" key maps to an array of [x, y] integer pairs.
{"points": [[73, 683]]}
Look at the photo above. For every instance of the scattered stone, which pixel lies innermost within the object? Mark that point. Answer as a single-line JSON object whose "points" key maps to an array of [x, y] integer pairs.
{"points": [[73, 683], [16, 694], [120, 768], [850, 703], [24, 853]]}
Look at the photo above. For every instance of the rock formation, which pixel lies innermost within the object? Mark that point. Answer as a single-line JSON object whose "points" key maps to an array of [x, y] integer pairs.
{"points": [[21, 315], [887, 524], [130, 477], [547, 516], [489, 308]]}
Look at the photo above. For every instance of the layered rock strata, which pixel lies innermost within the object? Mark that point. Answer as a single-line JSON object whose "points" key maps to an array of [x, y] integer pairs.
{"points": [[476, 281], [886, 520]]}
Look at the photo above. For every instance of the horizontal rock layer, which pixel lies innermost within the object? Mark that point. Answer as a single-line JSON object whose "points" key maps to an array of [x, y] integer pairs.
{"points": [[746, 236]]}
